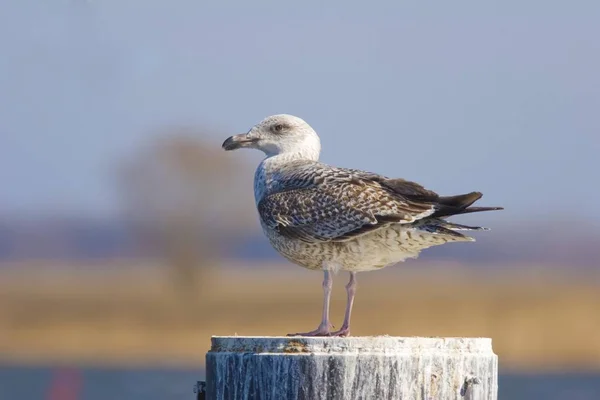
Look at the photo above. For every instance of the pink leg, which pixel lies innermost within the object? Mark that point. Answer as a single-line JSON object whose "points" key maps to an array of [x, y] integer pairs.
{"points": [[351, 290], [325, 327]]}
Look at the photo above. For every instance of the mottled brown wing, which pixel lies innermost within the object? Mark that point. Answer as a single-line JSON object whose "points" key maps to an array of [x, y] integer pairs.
{"points": [[343, 208]]}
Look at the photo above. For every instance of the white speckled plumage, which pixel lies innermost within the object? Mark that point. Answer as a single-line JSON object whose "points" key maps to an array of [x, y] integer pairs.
{"points": [[329, 218]]}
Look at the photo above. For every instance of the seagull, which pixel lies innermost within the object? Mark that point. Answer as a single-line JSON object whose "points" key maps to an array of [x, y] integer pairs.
{"points": [[327, 218]]}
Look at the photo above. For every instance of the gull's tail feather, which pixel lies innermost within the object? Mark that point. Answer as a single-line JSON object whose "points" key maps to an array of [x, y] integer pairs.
{"points": [[461, 227], [447, 230]]}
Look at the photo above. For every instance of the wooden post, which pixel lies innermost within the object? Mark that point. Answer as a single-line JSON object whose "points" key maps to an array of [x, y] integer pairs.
{"points": [[329, 368]]}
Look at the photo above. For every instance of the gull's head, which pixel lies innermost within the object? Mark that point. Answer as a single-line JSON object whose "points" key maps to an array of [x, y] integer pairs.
{"points": [[279, 134]]}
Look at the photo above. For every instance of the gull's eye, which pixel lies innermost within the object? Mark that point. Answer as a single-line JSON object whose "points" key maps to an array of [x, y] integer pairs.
{"points": [[278, 128]]}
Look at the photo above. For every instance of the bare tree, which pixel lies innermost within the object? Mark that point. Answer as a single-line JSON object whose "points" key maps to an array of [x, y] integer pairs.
{"points": [[187, 199]]}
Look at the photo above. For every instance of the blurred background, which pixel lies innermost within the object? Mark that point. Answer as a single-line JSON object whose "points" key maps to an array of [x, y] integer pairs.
{"points": [[128, 237]]}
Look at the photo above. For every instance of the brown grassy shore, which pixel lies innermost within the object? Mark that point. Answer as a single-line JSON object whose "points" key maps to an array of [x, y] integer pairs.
{"points": [[129, 314]]}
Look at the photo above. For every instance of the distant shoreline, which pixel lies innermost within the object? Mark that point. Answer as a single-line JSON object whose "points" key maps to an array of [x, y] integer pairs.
{"points": [[129, 315]]}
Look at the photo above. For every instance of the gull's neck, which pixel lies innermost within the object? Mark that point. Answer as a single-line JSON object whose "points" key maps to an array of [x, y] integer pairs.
{"points": [[270, 169]]}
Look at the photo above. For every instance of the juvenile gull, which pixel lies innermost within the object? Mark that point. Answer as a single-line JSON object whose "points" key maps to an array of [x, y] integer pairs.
{"points": [[328, 218]]}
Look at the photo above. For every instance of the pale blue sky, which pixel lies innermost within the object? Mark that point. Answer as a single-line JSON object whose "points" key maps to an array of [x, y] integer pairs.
{"points": [[460, 96]]}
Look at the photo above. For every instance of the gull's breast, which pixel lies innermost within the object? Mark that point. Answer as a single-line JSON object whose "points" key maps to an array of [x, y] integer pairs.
{"points": [[371, 251]]}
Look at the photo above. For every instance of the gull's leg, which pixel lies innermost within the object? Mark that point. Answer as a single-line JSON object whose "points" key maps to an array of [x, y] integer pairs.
{"points": [[325, 327], [351, 290]]}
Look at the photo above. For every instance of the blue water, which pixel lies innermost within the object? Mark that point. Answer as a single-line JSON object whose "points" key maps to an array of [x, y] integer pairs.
{"points": [[24, 383]]}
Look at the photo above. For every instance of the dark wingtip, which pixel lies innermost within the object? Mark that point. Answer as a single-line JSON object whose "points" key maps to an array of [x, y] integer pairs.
{"points": [[461, 200], [461, 204]]}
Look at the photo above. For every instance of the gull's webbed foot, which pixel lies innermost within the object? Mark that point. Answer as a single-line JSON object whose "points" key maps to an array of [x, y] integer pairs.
{"points": [[343, 332], [322, 330]]}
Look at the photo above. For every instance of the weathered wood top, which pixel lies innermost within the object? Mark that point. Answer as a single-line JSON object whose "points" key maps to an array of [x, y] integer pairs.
{"points": [[353, 344]]}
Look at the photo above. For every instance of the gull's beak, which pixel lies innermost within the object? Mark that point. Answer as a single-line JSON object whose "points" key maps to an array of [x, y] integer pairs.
{"points": [[237, 142]]}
